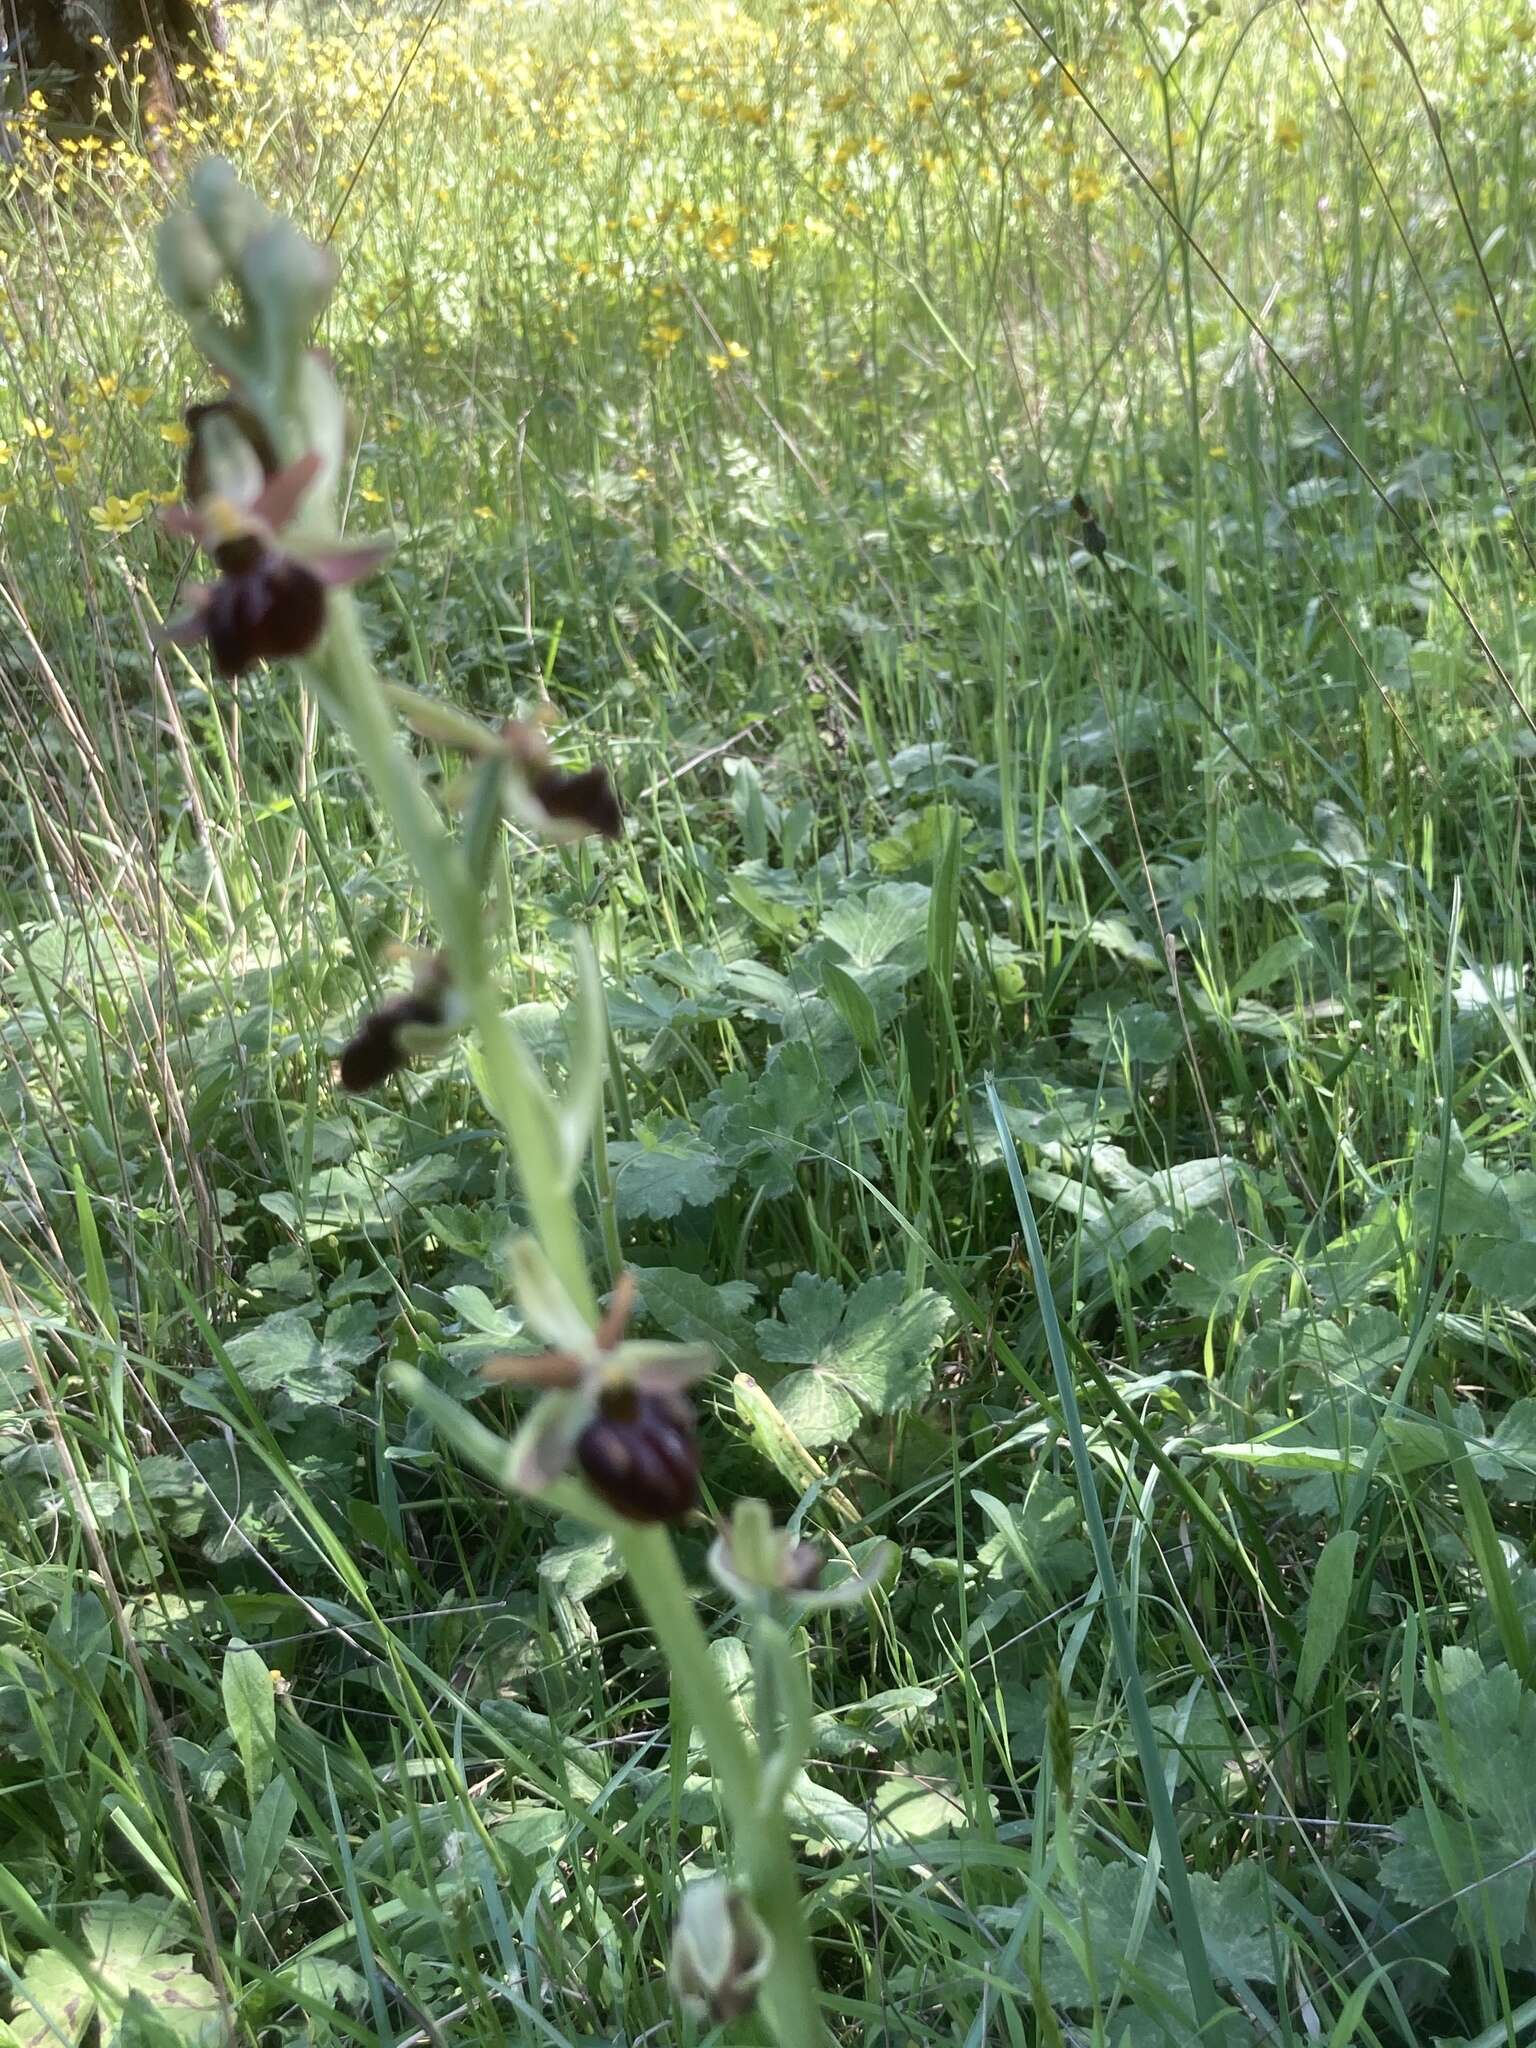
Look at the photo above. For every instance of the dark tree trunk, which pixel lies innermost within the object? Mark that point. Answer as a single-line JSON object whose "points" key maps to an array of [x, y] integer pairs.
{"points": [[54, 36]]}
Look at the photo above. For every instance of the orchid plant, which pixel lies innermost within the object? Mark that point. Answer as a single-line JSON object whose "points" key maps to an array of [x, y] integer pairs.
{"points": [[611, 1434]]}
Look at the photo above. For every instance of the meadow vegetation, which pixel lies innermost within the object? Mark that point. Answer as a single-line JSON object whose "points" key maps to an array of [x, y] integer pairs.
{"points": [[1035, 513]]}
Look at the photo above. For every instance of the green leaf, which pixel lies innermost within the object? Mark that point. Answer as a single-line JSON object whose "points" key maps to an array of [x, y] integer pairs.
{"points": [[923, 1799], [580, 1571], [485, 1326], [1283, 1456], [657, 1178], [1212, 1259], [266, 1836], [824, 1818], [887, 924], [250, 1710], [852, 1005], [693, 1311], [1237, 1918], [284, 1354], [866, 1354], [124, 1938], [1503, 1269], [1103, 1920], [1441, 1858], [1477, 1747], [1326, 1609]]}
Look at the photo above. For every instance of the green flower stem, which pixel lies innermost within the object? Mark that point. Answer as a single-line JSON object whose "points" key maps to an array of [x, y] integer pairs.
{"points": [[344, 677], [791, 1996]]}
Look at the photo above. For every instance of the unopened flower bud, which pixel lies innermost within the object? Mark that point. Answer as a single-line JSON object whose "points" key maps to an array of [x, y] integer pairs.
{"points": [[287, 280], [189, 265], [721, 1951], [754, 1561]]}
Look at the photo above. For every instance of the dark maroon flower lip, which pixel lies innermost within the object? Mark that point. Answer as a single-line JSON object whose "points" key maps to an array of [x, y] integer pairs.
{"points": [[269, 602], [269, 609], [387, 1037], [587, 799], [639, 1453]]}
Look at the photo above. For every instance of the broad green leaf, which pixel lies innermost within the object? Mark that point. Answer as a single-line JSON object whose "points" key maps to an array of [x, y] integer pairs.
{"points": [[484, 1324], [1239, 1919], [266, 1836], [866, 1354], [1212, 1259], [1477, 1748], [656, 1179], [1103, 1918], [1503, 1269], [823, 1818], [782, 1447], [250, 1711], [852, 1005], [1038, 1538], [285, 1354], [125, 1939], [888, 923], [580, 1571], [924, 1798], [1327, 1607], [1442, 1858], [693, 1311], [1281, 1456]]}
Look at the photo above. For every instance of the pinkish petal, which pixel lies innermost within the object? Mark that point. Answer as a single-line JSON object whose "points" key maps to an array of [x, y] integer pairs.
{"points": [[280, 496], [184, 520], [190, 626], [657, 1368], [349, 561]]}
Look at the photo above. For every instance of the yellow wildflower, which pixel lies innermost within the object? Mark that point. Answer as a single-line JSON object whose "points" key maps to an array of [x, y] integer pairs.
{"points": [[1287, 135], [118, 514], [760, 258], [1086, 185], [176, 434]]}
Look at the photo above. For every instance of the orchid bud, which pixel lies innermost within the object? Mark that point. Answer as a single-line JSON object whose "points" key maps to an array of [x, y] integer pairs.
{"points": [[190, 267], [287, 280], [754, 1562], [721, 1951], [230, 213]]}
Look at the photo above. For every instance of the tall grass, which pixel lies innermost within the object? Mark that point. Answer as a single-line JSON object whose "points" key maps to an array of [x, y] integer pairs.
{"points": [[728, 377]]}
